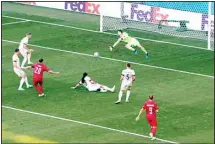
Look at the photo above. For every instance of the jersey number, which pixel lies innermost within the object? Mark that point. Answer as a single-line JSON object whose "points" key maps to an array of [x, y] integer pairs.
{"points": [[150, 110], [127, 77], [37, 70]]}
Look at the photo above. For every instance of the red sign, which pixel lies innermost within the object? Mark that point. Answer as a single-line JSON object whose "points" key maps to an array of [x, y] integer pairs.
{"points": [[29, 3]]}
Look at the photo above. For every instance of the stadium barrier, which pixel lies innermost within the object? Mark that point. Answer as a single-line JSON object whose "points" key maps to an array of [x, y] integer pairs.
{"points": [[137, 12]]}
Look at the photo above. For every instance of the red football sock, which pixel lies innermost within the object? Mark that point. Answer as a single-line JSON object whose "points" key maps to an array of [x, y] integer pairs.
{"points": [[38, 89], [154, 129], [151, 129], [41, 89]]}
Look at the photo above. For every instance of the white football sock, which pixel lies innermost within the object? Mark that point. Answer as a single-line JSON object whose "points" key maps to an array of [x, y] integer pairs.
{"points": [[24, 61], [21, 83], [128, 95], [29, 58], [120, 95]]}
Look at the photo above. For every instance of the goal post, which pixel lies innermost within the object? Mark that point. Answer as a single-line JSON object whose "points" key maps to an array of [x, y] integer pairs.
{"points": [[189, 21], [210, 32]]}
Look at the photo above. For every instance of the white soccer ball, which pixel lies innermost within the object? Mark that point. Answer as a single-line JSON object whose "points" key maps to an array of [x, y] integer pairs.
{"points": [[96, 54]]}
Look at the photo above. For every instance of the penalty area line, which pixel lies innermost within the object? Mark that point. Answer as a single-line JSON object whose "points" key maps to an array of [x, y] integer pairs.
{"points": [[16, 22], [84, 123]]}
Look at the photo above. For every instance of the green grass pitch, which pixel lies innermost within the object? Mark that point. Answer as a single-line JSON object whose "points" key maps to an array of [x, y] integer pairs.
{"points": [[186, 100]]}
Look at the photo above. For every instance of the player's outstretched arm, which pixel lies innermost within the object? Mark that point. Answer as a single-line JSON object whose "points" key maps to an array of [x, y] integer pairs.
{"points": [[138, 117], [52, 72], [28, 67], [76, 86], [115, 44]]}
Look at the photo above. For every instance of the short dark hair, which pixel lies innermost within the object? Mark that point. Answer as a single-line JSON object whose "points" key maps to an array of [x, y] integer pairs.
{"points": [[120, 31], [151, 97], [128, 65], [16, 50], [41, 60]]}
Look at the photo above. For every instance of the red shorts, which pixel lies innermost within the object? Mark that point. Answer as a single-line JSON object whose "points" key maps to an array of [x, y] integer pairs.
{"points": [[152, 121], [37, 81]]}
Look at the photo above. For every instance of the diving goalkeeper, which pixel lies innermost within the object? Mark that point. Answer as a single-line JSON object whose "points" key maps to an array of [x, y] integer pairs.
{"points": [[131, 42]]}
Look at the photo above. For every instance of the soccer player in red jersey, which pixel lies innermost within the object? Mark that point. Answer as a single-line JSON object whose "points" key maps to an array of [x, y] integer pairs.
{"points": [[151, 109], [38, 70]]}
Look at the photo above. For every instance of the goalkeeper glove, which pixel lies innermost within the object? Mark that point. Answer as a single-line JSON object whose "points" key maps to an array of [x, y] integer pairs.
{"points": [[111, 48]]}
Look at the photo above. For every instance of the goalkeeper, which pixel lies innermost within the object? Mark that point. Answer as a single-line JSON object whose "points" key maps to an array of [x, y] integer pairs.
{"points": [[131, 42]]}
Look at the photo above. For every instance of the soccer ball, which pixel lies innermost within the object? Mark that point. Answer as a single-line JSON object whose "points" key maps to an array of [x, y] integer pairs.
{"points": [[96, 54]]}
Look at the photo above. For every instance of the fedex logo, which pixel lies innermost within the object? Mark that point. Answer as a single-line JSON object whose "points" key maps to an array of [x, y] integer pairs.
{"points": [[153, 15], [87, 7], [205, 22]]}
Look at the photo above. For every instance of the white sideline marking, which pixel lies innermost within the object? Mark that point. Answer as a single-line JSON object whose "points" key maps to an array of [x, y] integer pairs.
{"points": [[84, 123], [146, 65], [60, 25], [16, 22]]}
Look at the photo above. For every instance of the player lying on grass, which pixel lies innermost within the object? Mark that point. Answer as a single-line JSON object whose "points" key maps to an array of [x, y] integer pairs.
{"points": [[131, 42], [38, 70], [91, 85], [18, 71]]}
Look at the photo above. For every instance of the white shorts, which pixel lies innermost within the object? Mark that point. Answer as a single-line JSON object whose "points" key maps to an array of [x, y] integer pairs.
{"points": [[94, 87], [23, 52], [19, 72], [126, 85], [134, 42]]}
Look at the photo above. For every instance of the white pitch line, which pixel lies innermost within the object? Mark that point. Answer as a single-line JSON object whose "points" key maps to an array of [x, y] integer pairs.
{"points": [[112, 59], [84, 123], [72, 27], [16, 22]]}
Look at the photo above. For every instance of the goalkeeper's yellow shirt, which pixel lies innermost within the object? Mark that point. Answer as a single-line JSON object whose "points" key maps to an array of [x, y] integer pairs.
{"points": [[126, 38]]}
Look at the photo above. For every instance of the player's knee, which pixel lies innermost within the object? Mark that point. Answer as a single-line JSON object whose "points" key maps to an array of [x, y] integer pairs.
{"points": [[24, 75]]}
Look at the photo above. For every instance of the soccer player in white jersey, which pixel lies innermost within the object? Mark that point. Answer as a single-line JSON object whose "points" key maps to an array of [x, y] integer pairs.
{"points": [[19, 72], [127, 78], [24, 50], [91, 85], [131, 42]]}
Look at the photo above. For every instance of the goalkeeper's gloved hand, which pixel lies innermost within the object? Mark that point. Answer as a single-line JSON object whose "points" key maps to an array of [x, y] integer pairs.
{"points": [[111, 48]]}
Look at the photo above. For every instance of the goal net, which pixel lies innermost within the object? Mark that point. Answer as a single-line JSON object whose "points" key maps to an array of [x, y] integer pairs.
{"points": [[180, 19]]}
